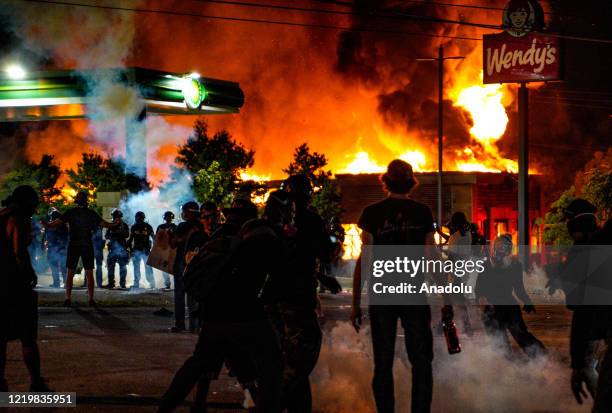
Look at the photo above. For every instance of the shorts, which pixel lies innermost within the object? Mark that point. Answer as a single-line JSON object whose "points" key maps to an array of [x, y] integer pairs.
{"points": [[85, 252]]}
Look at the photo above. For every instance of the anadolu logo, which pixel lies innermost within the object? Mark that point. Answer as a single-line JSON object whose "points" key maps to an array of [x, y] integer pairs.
{"points": [[522, 16]]}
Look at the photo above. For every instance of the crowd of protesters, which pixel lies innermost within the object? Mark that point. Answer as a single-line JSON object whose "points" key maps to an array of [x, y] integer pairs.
{"points": [[247, 283], [77, 238]]}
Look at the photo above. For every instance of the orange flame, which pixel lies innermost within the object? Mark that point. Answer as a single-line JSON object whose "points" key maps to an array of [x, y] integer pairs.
{"points": [[352, 242]]}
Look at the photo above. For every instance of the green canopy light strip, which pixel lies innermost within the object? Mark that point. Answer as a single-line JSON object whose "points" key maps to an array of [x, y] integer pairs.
{"points": [[162, 92]]}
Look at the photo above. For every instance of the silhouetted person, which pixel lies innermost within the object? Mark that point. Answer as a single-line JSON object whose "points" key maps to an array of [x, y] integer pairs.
{"points": [[186, 235], [141, 235], [459, 248], [56, 240], [242, 364], [18, 300], [98, 245], [82, 222], [117, 250], [397, 220], [590, 322], [308, 242], [503, 277], [169, 226], [603, 396]]}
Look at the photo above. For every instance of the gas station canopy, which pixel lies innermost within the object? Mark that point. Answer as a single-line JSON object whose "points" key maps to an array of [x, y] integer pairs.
{"points": [[65, 94]]}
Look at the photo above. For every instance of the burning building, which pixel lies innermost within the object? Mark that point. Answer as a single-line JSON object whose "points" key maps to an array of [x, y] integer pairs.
{"points": [[488, 199]]}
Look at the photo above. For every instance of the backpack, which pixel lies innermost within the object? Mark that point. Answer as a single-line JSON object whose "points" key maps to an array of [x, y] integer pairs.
{"points": [[215, 260]]}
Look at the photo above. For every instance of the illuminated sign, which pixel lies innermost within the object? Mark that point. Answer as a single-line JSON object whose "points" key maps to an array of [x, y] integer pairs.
{"points": [[520, 54], [193, 92], [532, 58]]}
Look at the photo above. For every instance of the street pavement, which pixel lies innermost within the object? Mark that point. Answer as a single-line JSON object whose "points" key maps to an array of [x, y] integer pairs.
{"points": [[118, 358]]}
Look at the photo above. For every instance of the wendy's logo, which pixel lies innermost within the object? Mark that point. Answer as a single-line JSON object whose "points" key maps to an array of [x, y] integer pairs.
{"points": [[522, 16]]}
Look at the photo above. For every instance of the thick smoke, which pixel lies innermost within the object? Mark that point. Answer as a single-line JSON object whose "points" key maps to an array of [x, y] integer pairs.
{"points": [[82, 38], [479, 379]]}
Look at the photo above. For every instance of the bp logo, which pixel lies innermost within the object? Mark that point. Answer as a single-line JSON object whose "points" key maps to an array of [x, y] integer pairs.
{"points": [[522, 16], [193, 92]]}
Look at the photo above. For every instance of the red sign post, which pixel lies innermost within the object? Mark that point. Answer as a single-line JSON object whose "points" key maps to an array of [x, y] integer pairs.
{"points": [[522, 55]]}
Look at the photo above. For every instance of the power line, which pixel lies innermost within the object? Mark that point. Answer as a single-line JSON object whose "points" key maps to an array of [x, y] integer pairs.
{"points": [[395, 14], [572, 91], [571, 147], [482, 25], [571, 104], [323, 26], [573, 99], [249, 20], [434, 3]]}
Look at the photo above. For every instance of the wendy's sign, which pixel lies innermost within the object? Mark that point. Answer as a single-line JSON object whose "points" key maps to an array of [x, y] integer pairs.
{"points": [[534, 57], [518, 54]]}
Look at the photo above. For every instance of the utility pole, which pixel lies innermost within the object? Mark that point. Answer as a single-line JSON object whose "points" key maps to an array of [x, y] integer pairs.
{"points": [[440, 60], [523, 178]]}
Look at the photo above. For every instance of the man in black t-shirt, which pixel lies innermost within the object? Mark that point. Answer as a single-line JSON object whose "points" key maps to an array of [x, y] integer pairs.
{"points": [[139, 242], [397, 220], [169, 226], [82, 222]]}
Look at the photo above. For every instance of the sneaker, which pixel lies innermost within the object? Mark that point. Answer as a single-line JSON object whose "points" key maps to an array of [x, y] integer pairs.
{"points": [[92, 303], [40, 385], [67, 302]]}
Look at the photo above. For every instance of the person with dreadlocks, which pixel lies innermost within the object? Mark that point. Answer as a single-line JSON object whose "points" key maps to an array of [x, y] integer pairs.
{"points": [[82, 222], [503, 277], [18, 300]]}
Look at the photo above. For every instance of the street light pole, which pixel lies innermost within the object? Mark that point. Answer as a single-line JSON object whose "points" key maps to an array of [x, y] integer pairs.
{"points": [[440, 128], [440, 60]]}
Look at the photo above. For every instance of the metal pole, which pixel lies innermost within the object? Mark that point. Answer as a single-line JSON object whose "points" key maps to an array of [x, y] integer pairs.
{"points": [[440, 128], [136, 145], [523, 178]]}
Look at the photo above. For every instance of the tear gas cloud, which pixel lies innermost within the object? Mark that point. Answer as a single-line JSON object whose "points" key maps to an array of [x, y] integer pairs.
{"points": [[479, 379]]}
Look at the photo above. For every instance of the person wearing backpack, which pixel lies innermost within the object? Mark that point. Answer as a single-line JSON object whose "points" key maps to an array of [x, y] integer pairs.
{"points": [[228, 276], [295, 308]]}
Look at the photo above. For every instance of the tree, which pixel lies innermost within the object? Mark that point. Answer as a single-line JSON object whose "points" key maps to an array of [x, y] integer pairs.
{"points": [[326, 198], [213, 184], [555, 231], [41, 176], [214, 163], [97, 173], [201, 150], [594, 184]]}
